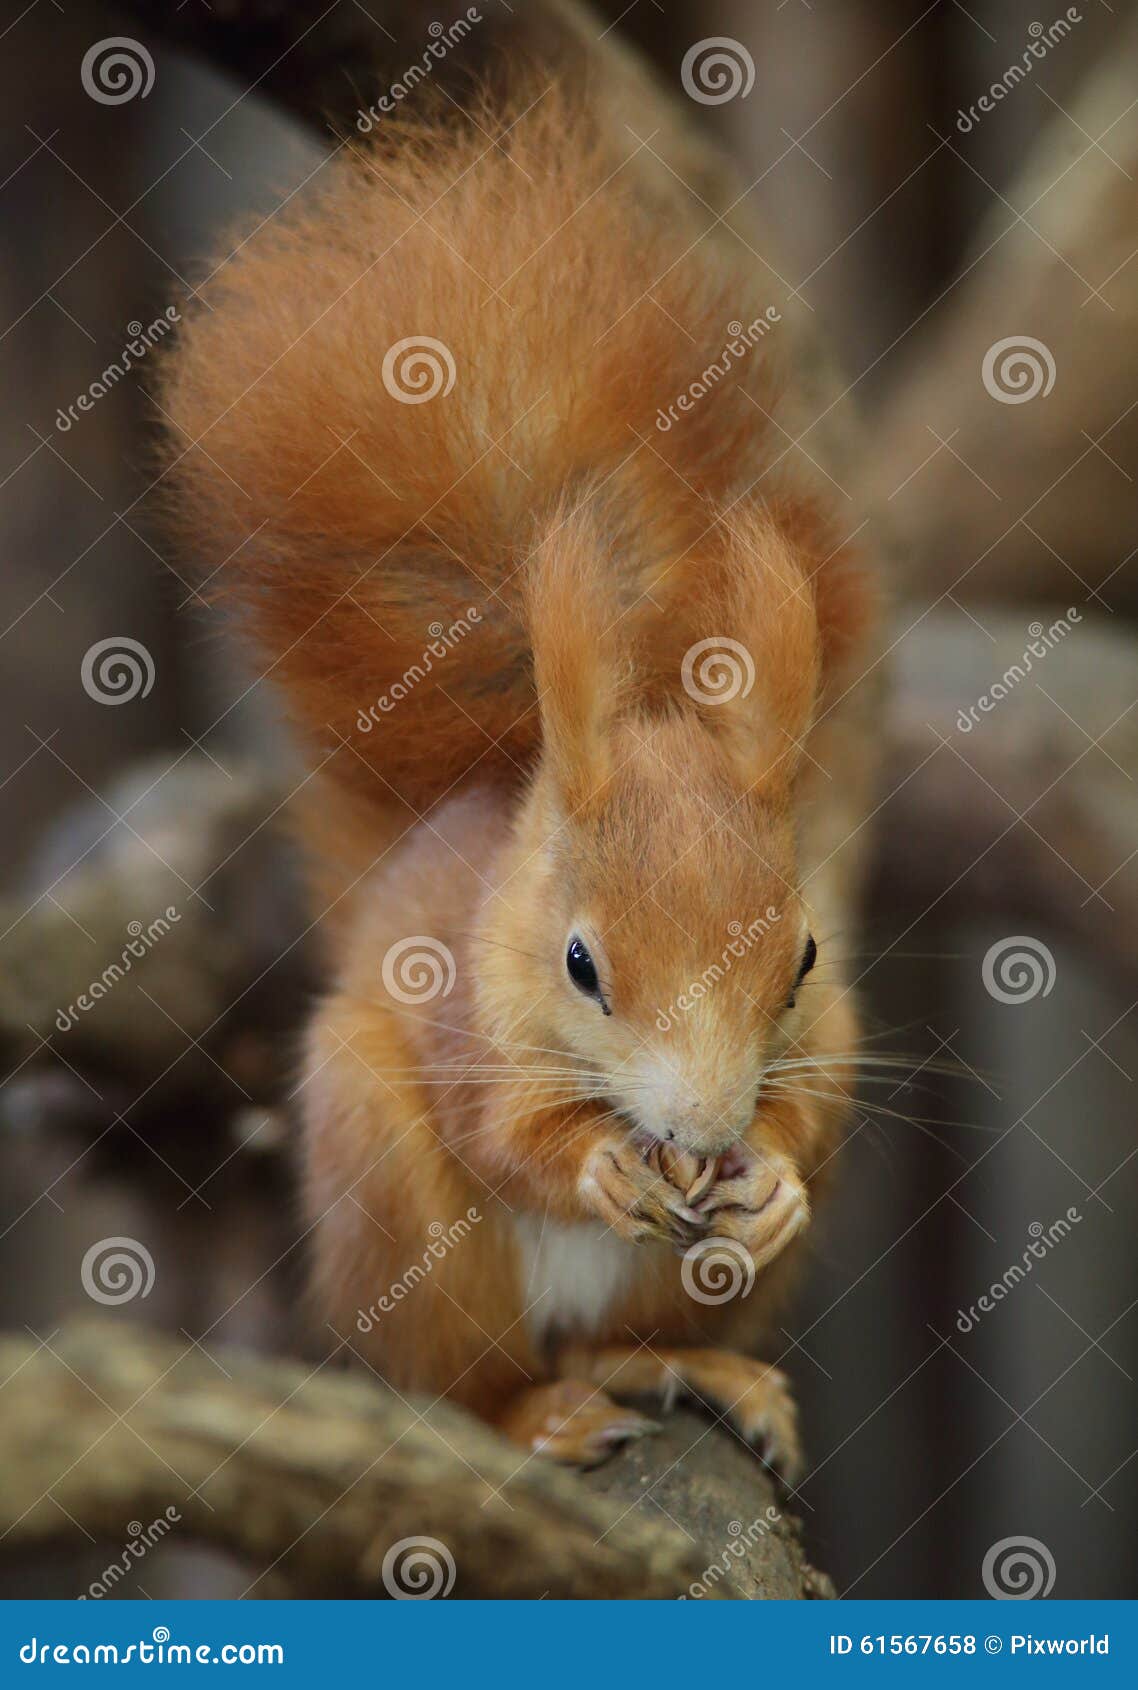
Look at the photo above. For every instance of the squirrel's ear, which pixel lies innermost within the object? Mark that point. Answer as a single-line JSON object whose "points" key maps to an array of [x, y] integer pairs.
{"points": [[575, 630], [752, 662]]}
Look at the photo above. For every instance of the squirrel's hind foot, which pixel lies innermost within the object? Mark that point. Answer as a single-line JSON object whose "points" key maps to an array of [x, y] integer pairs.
{"points": [[572, 1422], [752, 1396]]}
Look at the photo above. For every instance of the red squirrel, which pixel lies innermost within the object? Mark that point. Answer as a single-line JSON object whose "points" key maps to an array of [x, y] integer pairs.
{"points": [[473, 437]]}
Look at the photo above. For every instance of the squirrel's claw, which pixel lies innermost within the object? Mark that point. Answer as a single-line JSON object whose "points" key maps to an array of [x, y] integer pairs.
{"points": [[636, 1200], [574, 1423], [768, 1419], [762, 1209]]}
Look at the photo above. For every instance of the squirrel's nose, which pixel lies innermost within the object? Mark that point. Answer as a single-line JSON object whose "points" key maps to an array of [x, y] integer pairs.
{"points": [[708, 1129]]}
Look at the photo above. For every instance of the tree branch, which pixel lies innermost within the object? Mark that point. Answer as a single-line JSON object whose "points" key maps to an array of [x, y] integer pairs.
{"points": [[312, 1478]]}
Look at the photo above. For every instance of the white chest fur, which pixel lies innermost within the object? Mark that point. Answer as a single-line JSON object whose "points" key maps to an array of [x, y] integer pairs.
{"points": [[571, 1275]]}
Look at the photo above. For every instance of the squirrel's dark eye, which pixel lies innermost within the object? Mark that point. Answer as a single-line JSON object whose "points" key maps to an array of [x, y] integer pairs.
{"points": [[583, 971], [809, 958]]}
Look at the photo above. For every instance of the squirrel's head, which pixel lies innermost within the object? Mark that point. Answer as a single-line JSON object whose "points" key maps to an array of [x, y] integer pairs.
{"points": [[651, 926]]}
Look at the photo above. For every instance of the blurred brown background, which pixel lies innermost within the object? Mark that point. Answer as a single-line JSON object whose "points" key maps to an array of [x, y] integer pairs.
{"points": [[929, 1444]]}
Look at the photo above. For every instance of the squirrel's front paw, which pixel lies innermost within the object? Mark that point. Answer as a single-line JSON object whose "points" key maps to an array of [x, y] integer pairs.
{"points": [[621, 1185], [762, 1207]]}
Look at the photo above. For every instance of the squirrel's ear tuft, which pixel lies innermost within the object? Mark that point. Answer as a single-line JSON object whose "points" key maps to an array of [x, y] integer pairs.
{"points": [[577, 635], [752, 654]]}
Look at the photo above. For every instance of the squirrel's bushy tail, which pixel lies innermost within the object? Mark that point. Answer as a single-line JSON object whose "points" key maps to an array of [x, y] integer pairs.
{"points": [[394, 392]]}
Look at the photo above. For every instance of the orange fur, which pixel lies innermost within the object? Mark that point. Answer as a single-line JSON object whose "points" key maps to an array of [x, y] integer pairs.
{"points": [[345, 523], [577, 783]]}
